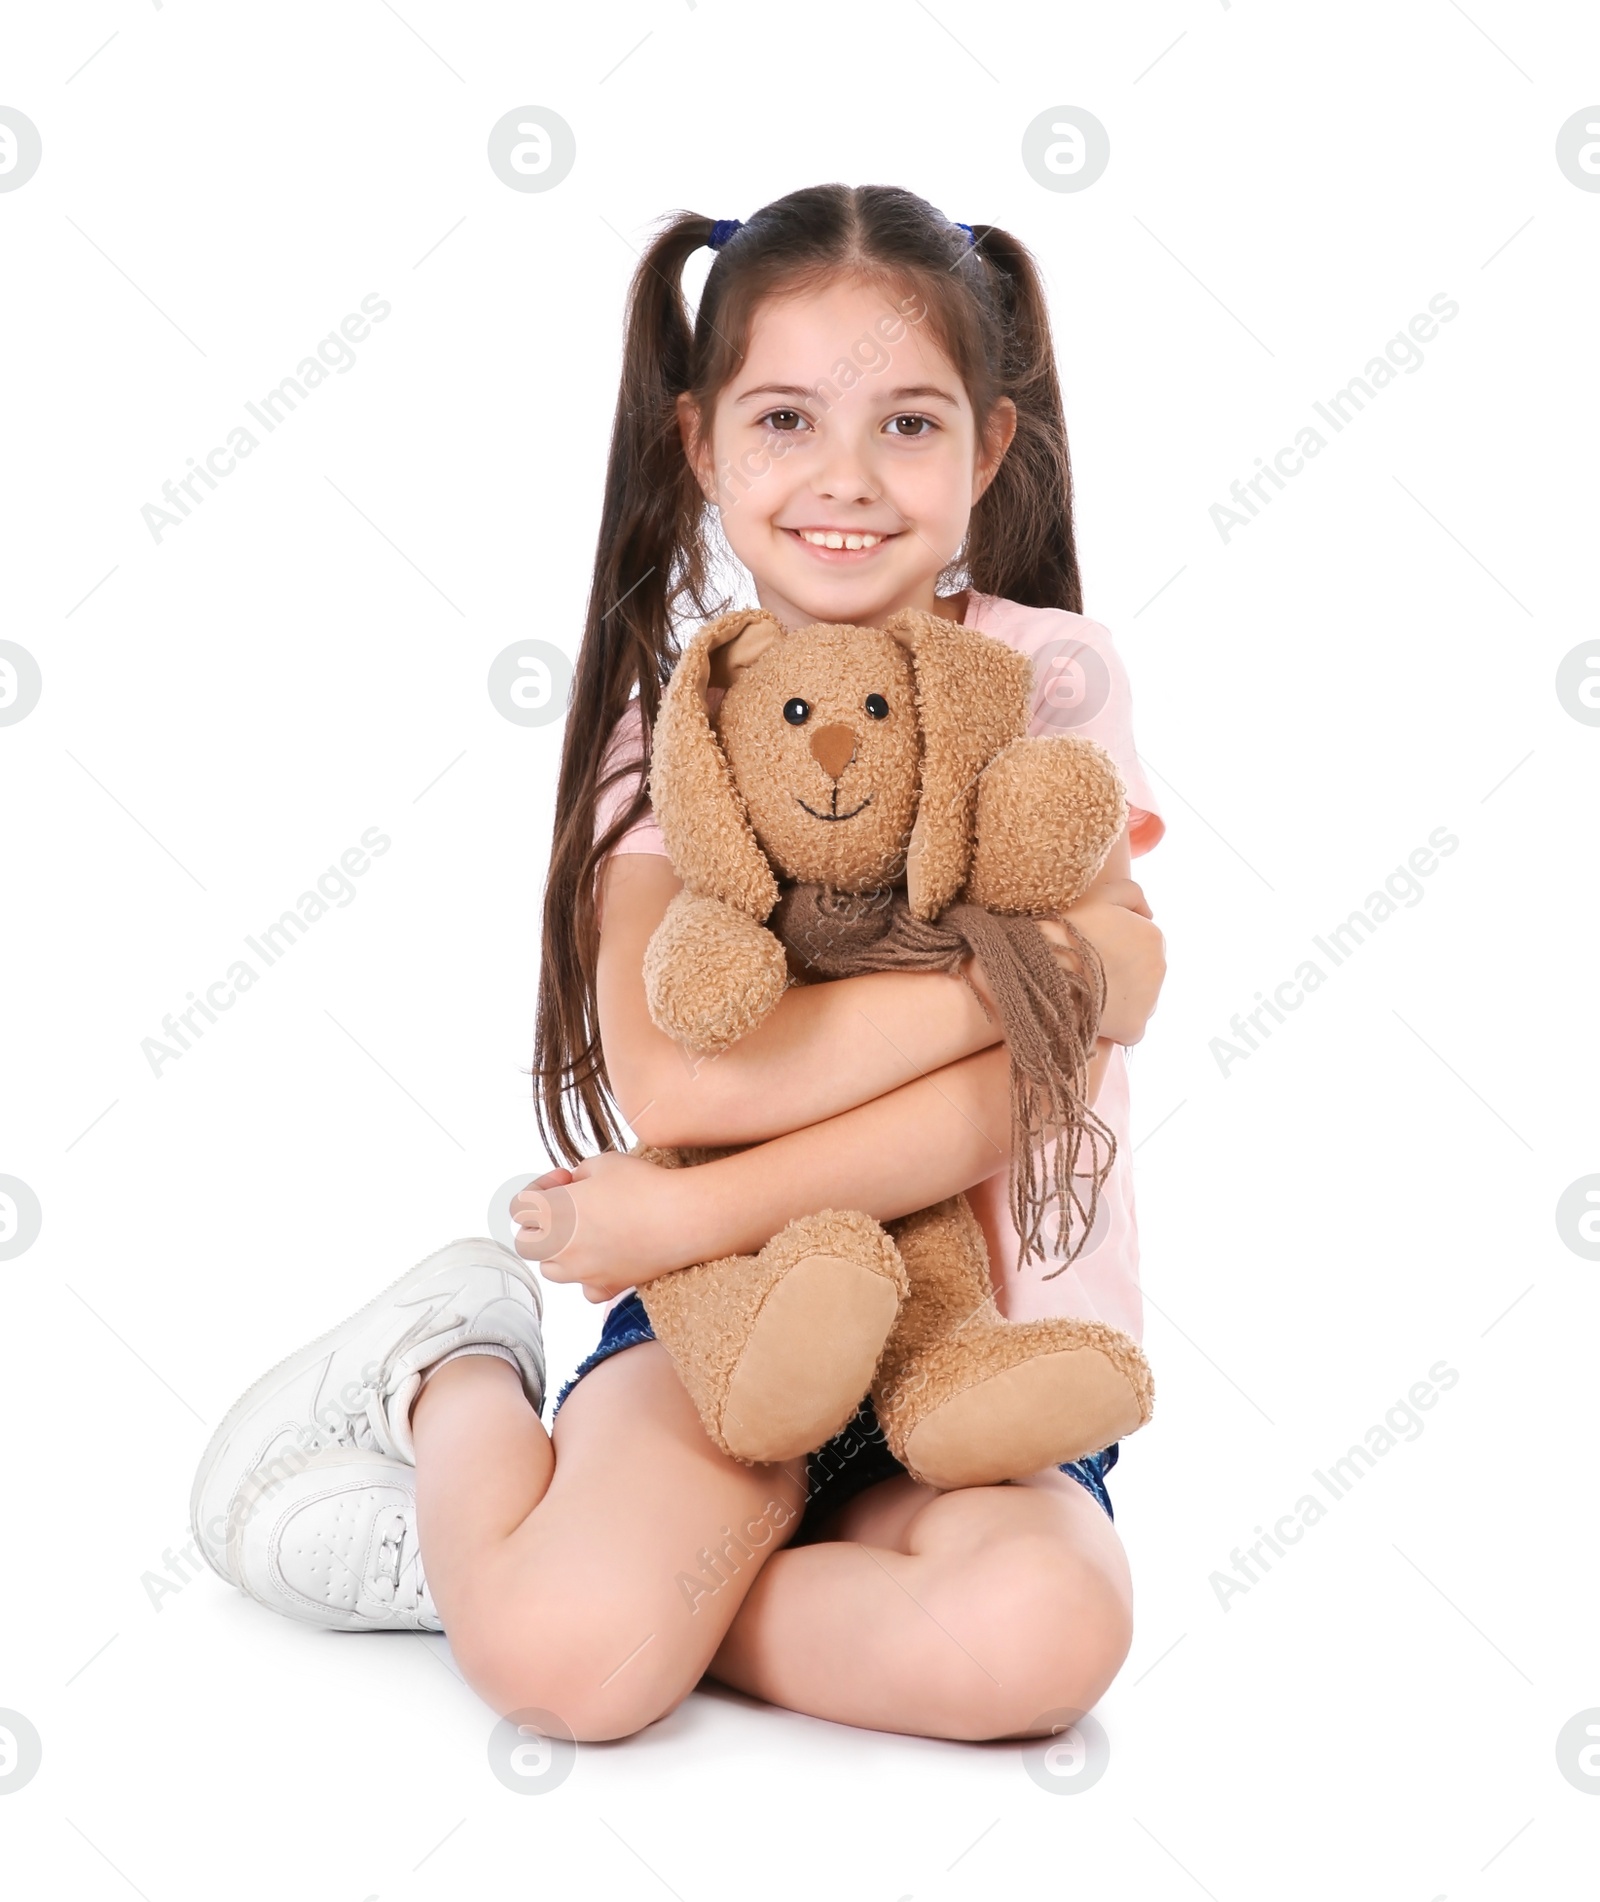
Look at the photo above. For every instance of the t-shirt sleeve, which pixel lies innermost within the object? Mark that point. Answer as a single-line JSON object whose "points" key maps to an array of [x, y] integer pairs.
{"points": [[1081, 687], [625, 751]]}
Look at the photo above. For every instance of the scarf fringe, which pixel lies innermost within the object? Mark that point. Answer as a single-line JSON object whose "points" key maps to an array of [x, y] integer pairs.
{"points": [[1050, 1010]]}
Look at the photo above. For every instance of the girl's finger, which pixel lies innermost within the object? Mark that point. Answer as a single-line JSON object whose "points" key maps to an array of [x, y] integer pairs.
{"points": [[533, 1195], [550, 1179], [547, 1220]]}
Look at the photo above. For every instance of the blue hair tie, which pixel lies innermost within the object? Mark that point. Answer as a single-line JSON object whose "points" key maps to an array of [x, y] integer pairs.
{"points": [[722, 231], [971, 240]]}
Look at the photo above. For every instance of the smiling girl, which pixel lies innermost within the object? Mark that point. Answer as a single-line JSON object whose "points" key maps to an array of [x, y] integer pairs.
{"points": [[866, 405]]}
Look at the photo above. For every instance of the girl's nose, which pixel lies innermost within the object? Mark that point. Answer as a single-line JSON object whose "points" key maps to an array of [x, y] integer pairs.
{"points": [[843, 475], [833, 748]]}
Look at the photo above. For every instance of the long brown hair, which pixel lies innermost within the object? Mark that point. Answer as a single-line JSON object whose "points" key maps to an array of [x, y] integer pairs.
{"points": [[985, 307]]}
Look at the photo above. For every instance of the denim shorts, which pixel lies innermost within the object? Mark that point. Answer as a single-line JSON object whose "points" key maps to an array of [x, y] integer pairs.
{"points": [[852, 1460]]}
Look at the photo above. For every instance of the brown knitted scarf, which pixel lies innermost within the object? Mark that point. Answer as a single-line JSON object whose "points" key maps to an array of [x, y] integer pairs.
{"points": [[1049, 1013]]}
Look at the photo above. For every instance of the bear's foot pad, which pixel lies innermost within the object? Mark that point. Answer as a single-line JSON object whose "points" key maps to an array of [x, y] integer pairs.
{"points": [[1016, 1420], [809, 1358]]}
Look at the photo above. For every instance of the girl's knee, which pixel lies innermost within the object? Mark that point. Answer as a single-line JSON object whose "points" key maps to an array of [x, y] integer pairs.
{"points": [[1047, 1624], [573, 1682], [1067, 1618], [579, 1663]]}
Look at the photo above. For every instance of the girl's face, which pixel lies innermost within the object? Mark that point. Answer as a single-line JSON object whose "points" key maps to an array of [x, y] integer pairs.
{"points": [[844, 456]]}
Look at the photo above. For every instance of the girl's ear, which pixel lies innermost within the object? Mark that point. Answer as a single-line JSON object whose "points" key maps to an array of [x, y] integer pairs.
{"points": [[972, 699], [700, 810], [997, 436], [696, 445]]}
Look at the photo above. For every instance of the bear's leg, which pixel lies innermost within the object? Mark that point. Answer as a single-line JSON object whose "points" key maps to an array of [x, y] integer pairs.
{"points": [[966, 1398], [777, 1349]]}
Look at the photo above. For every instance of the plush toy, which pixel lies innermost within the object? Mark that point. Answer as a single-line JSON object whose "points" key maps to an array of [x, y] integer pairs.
{"points": [[865, 799]]}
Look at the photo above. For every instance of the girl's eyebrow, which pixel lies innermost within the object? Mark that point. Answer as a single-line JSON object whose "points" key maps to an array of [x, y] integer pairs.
{"points": [[809, 392]]}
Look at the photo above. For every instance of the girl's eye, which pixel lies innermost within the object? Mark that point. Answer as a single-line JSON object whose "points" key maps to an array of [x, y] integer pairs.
{"points": [[797, 711], [787, 420], [877, 706], [920, 425]]}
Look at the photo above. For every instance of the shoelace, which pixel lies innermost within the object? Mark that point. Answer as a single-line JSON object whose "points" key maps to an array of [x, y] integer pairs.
{"points": [[363, 1422], [397, 1580], [349, 1427]]}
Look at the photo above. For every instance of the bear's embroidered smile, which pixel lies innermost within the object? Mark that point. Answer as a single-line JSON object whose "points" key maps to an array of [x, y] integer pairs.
{"points": [[832, 816]]}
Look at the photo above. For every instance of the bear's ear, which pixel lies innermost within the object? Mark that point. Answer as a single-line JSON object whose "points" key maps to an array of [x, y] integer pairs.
{"points": [[697, 805], [972, 699]]}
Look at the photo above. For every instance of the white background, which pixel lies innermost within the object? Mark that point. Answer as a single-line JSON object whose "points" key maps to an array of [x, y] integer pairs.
{"points": [[225, 712]]}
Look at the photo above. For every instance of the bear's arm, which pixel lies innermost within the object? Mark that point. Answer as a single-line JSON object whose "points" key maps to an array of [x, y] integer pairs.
{"points": [[1048, 812], [711, 973]]}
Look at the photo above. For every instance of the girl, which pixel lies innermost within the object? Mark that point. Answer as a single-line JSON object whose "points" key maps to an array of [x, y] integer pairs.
{"points": [[867, 400]]}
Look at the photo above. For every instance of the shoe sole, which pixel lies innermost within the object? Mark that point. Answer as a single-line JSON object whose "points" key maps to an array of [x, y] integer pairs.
{"points": [[476, 1251]]}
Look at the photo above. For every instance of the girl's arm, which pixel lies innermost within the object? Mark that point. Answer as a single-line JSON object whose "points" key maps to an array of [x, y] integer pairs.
{"points": [[824, 1047], [617, 1221], [827, 1047]]}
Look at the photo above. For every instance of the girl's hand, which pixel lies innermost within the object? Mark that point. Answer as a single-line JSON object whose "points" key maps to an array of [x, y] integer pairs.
{"points": [[603, 1225], [1116, 920]]}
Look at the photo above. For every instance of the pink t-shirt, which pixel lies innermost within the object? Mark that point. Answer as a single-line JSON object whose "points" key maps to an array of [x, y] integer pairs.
{"points": [[1081, 688]]}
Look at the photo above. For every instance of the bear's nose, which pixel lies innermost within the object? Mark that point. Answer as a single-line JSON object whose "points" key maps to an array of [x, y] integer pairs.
{"points": [[833, 748]]}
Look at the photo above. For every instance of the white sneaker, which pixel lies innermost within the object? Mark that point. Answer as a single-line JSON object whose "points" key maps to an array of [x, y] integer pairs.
{"points": [[351, 1389], [336, 1545]]}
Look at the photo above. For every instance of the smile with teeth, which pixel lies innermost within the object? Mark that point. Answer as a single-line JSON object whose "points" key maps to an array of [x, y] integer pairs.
{"points": [[839, 538]]}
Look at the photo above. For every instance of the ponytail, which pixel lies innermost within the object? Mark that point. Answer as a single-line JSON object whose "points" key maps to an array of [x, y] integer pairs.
{"points": [[1019, 541], [648, 555]]}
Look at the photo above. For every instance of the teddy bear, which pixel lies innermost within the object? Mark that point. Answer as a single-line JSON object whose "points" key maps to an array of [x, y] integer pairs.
{"points": [[862, 799]]}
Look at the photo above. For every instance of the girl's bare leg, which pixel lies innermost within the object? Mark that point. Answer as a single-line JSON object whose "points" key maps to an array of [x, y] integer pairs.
{"points": [[969, 1614], [594, 1577]]}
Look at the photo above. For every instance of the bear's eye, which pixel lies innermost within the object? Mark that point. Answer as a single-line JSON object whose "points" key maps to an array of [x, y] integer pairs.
{"points": [[877, 706], [797, 711]]}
